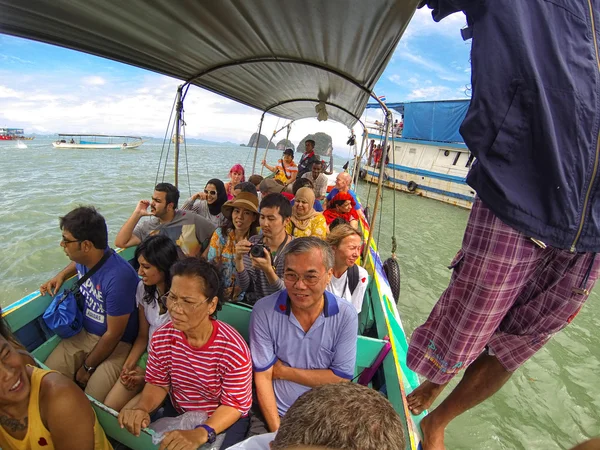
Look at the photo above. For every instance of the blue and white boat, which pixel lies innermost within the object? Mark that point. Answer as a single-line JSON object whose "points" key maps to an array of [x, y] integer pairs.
{"points": [[428, 157]]}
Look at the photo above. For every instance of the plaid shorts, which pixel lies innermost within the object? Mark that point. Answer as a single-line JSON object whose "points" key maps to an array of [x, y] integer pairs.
{"points": [[506, 293]]}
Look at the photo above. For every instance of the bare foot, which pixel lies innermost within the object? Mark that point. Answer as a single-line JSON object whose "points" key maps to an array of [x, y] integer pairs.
{"points": [[423, 397], [433, 436]]}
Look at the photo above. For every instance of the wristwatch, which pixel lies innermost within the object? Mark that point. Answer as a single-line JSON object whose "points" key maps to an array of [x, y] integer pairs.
{"points": [[212, 436], [88, 369]]}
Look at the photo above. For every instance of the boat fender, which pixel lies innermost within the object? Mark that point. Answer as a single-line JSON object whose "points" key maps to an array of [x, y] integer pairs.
{"points": [[392, 272], [362, 174], [412, 186]]}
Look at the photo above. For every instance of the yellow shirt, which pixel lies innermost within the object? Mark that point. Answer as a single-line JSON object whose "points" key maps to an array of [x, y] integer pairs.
{"points": [[317, 228], [38, 437], [285, 174]]}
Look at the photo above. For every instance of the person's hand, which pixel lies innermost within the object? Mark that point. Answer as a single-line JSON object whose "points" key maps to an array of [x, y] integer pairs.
{"points": [[131, 377], [142, 208], [199, 196], [263, 263], [184, 439], [82, 377], [134, 420], [242, 248], [264, 162], [52, 286]]}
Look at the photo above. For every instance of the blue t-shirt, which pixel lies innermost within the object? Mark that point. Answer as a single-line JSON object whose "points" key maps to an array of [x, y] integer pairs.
{"points": [[111, 290], [316, 206], [330, 343], [335, 191]]}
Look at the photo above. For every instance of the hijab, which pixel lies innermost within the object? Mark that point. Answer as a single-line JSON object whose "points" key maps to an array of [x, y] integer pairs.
{"points": [[215, 207], [302, 222]]}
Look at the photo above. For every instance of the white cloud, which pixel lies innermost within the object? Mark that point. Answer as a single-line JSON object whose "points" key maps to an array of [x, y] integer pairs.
{"points": [[422, 24], [6, 92], [441, 71], [430, 93], [58, 108], [94, 80]]}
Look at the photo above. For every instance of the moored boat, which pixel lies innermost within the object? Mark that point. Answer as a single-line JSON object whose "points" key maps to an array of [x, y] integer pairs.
{"points": [[14, 134], [427, 156], [97, 141]]}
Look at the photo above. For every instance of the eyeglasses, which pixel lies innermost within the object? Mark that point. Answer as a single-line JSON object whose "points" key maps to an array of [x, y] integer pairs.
{"points": [[182, 304], [69, 241], [207, 192], [308, 280]]}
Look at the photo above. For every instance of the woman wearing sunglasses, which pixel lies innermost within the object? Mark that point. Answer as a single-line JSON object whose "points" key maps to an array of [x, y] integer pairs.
{"points": [[208, 203], [156, 255], [196, 363]]}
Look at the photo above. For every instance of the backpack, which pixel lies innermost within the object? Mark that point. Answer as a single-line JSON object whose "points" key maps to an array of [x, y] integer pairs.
{"points": [[353, 276]]}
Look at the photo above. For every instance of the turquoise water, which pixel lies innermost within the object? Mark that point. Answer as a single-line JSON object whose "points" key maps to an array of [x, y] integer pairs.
{"points": [[550, 403]]}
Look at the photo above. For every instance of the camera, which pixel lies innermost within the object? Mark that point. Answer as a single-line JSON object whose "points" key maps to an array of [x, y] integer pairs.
{"points": [[258, 250]]}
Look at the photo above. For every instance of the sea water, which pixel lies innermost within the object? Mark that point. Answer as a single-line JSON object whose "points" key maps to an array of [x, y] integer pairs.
{"points": [[552, 402]]}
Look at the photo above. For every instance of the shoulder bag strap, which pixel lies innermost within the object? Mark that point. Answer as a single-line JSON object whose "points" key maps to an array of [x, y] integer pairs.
{"points": [[93, 270]]}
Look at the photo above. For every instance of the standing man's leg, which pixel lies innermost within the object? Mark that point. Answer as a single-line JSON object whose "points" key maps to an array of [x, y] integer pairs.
{"points": [[495, 266], [557, 296], [482, 379]]}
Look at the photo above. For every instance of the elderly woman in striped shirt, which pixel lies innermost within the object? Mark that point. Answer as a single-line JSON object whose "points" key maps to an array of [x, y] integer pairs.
{"points": [[200, 363]]}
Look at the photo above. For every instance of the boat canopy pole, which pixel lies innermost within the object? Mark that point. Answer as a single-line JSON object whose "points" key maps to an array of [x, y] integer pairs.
{"points": [[257, 139], [179, 109], [358, 158], [388, 121], [275, 132]]}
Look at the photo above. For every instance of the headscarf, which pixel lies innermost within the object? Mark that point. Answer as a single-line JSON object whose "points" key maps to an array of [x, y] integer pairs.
{"points": [[331, 213], [215, 207], [302, 222]]}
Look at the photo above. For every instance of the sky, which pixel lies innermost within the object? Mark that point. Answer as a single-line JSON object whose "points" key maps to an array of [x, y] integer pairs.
{"points": [[47, 89]]}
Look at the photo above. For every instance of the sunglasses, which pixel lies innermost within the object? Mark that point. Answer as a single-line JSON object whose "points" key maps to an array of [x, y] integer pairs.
{"points": [[207, 192]]}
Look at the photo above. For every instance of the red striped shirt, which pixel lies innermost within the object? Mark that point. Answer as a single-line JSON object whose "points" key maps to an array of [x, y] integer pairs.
{"points": [[218, 373]]}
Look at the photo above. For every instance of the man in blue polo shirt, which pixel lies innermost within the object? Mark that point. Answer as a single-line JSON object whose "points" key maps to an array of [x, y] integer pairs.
{"points": [[301, 337]]}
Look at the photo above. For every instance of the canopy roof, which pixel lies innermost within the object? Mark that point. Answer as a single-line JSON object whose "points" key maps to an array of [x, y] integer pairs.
{"points": [[277, 56]]}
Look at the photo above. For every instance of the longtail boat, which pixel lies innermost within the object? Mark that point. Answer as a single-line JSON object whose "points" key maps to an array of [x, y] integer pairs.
{"points": [[294, 60]]}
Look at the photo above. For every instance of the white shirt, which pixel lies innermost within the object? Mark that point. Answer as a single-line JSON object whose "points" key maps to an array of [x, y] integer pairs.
{"points": [[341, 288], [152, 312]]}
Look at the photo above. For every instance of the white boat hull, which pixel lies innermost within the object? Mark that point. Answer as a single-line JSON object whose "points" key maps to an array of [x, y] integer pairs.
{"points": [[428, 169], [97, 146]]}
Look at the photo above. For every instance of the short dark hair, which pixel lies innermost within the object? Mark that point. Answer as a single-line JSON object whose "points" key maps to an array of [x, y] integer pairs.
{"points": [[336, 222], [85, 223], [317, 162], [311, 141], [208, 273], [161, 252], [171, 191], [255, 179], [300, 183], [277, 201], [246, 186], [341, 415]]}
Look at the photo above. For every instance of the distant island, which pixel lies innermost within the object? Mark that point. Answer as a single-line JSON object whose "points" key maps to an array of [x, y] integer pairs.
{"points": [[262, 142]]}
